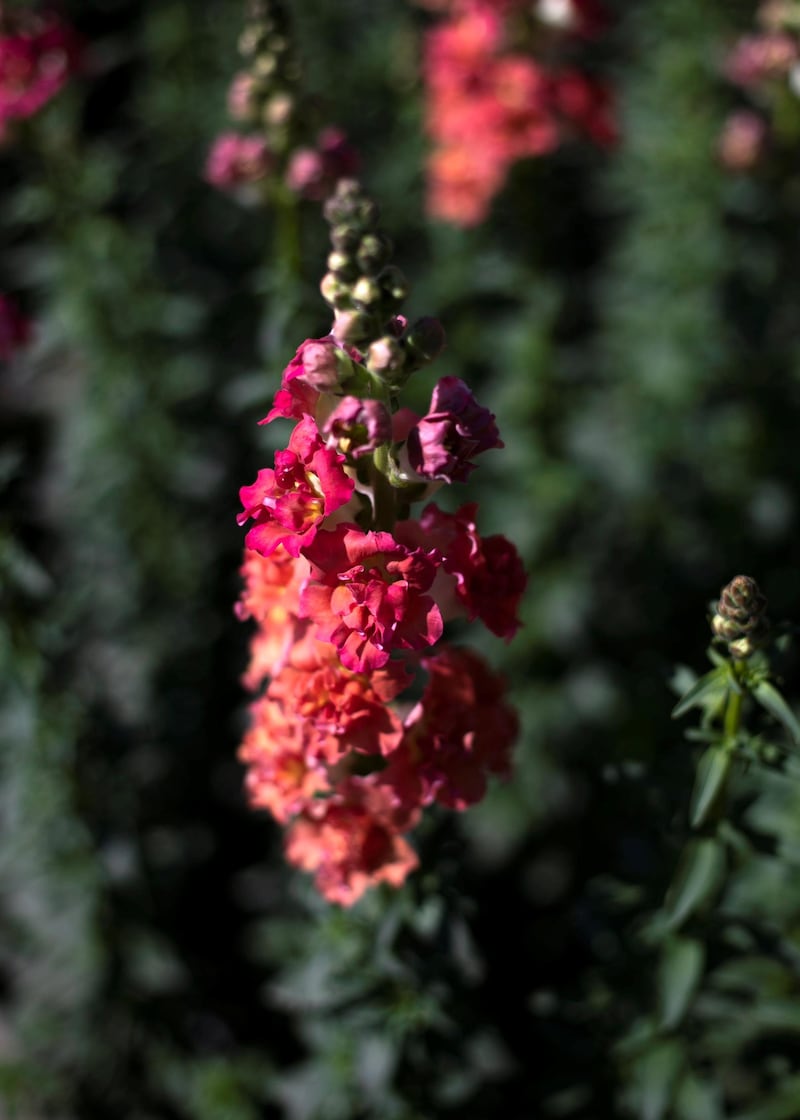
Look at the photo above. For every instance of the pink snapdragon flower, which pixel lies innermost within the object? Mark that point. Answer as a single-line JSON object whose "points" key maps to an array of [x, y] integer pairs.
{"points": [[368, 596], [288, 504], [455, 429], [236, 160], [318, 366]]}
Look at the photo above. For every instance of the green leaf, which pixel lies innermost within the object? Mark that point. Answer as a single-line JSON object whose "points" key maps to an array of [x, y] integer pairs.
{"points": [[699, 877], [679, 973], [713, 683], [769, 698], [709, 785], [658, 1072]]}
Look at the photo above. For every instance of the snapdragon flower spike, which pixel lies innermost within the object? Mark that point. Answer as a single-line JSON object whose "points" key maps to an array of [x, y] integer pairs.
{"points": [[350, 593], [456, 428], [288, 504], [368, 596]]}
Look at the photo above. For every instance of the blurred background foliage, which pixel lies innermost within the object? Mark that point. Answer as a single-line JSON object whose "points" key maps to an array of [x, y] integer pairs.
{"points": [[631, 317]]}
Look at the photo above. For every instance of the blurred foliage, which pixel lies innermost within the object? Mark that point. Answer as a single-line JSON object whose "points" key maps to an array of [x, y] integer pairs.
{"points": [[631, 318]]}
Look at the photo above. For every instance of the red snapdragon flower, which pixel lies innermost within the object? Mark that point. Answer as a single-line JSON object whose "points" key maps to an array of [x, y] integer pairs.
{"points": [[289, 503], [367, 596], [461, 730], [352, 841], [357, 427], [487, 577], [455, 429]]}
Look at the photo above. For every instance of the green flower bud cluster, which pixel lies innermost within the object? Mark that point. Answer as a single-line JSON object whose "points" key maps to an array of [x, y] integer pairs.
{"points": [[740, 619], [366, 291]]}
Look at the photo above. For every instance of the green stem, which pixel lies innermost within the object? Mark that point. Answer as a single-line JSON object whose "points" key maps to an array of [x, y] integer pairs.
{"points": [[733, 710]]}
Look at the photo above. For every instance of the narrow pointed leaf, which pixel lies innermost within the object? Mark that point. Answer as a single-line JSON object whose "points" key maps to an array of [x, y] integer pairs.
{"points": [[679, 974], [770, 699], [698, 880], [709, 785], [712, 683]]}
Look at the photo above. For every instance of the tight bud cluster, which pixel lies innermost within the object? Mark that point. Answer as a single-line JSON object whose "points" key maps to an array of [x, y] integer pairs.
{"points": [[365, 717], [272, 144], [765, 65], [499, 91], [38, 54], [740, 619]]}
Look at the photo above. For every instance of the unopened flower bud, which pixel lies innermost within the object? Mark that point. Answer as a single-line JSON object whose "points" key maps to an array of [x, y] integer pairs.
{"points": [[340, 208], [394, 284], [334, 292], [345, 238], [740, 619], [359, 426], [374, 252], [278, 110], [241, 97], [322, 365], [342, 264], [425, 341], [352, 327], [386, 355], [366, 291]]}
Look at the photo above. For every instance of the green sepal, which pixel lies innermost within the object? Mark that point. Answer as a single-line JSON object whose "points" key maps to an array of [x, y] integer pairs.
{"points": [[699, 876], [770, 699], [714, 683], [709, 784], [679, 973]]}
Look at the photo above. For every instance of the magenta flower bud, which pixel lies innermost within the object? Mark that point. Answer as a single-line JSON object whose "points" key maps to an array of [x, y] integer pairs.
{"points": [[455, 429], [241, 100], [320, 367], [359, 426]]}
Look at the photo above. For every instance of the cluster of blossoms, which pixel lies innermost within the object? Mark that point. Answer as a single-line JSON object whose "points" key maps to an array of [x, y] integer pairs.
{"points": [[272, 145], [501, 87], [351, 593], [37, 56], [765, 66]]}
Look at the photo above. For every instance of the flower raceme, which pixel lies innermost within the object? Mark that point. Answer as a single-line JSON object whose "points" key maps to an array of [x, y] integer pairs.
{"points": [[351, 593], [493, 100]]}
